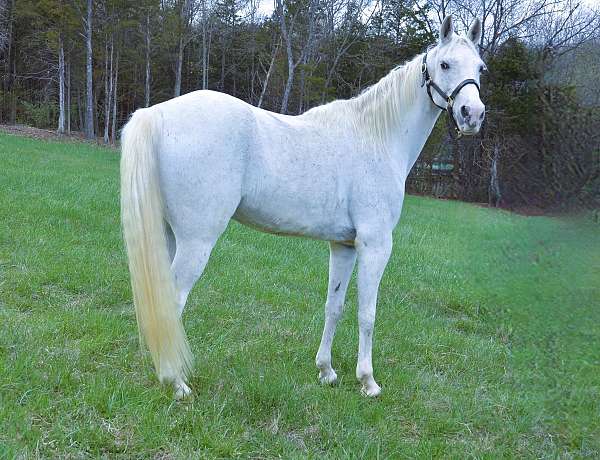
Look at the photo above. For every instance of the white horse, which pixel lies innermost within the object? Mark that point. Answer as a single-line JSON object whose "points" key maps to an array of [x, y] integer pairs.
{"points": [[335, 173]]}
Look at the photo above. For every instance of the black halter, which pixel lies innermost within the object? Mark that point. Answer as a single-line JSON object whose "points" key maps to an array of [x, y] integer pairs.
{"points": [[449, 99]]}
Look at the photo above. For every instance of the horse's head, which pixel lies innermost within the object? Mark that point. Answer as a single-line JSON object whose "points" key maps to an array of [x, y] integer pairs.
{"points": [[451, 71]]}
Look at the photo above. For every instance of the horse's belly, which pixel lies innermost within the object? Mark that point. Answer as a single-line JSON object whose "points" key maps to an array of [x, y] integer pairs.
{"points": [[296, 218]]}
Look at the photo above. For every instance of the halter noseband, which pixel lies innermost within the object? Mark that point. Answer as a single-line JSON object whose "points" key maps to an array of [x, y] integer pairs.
{"points": [[449, 99]]}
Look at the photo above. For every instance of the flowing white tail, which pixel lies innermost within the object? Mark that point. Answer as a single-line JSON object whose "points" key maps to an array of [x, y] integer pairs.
{"points": [[154, 292]]}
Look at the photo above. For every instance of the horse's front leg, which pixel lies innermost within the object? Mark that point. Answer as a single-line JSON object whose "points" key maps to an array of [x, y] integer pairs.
{"points": [[341, 264], [373, 254]]}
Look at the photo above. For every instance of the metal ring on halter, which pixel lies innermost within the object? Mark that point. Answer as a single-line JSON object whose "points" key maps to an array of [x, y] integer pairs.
{"points": [[449, 99]]}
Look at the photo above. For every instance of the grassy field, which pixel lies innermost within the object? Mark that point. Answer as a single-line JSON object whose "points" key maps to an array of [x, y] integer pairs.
{"points": [[487, 339]]}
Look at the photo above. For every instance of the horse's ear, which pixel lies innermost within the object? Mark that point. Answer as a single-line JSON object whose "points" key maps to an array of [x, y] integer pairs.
{"points": [[446, 30], [474, 33]]}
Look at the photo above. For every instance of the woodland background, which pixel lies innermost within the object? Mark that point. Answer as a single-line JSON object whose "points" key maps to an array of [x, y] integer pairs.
{"points": [[86, 65]]}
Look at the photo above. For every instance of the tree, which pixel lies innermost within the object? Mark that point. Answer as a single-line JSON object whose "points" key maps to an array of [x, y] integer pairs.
{"points": [[89, 72], [288, 25], [185, 15], [114, 56]]}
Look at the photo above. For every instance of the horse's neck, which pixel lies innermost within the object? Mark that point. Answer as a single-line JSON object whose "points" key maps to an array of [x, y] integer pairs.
{"points": [[406, 141], [399, 127]]}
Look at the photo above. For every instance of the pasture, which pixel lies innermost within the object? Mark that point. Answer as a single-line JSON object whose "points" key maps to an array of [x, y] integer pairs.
{"points": [[487, 340]]}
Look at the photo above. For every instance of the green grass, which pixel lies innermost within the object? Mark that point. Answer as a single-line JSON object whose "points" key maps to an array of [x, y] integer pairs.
{"points": [[487, 339]]}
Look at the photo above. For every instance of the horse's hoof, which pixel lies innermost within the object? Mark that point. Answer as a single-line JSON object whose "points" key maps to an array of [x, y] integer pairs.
{"points": [[372, 390], [328, 378], [182, 391]]}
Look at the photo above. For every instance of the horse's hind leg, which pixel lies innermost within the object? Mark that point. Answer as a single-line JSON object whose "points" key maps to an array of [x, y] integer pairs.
{"points": [[193, 245], [194, 238], [191, 257], [341, 264]]}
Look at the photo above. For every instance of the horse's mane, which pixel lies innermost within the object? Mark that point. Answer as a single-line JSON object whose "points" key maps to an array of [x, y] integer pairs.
{"points": [[379, 107]]}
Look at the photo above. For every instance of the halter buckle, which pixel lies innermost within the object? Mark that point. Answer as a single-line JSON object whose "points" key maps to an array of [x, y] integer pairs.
{"points": [[424, 74]]}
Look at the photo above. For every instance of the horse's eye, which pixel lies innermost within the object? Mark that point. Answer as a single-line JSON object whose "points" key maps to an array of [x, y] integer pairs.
{"points": [[445, 65], [482, 69]]}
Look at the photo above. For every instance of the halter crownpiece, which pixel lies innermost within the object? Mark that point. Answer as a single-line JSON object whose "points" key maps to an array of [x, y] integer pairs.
{"points": [[428, 81]]}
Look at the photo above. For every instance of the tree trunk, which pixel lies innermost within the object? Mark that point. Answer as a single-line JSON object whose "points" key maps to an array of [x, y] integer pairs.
{"points": [[10, 60], [268, 76], [183, 22], [204, 84], [301, 91], [79, 111], [252, 93], [114, 117], [223, 54], [108, 88], [206, 42], [302, 83], [495, 193], [288, 86], [106, 92], [69, 97], [178, 67], [204, 56], [207, 67], [61, 85], [13, 87], [330, 74], [147, 82], [12, 67], [287, 37], [89, 112], [290, 57]]}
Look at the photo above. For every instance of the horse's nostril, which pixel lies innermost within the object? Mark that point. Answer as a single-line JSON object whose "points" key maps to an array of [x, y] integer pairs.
{"points": [[482, 115], [464, 111]]}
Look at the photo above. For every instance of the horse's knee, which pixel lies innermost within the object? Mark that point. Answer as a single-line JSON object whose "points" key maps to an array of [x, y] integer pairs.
{"points": [[334, 310], [366, 318]]}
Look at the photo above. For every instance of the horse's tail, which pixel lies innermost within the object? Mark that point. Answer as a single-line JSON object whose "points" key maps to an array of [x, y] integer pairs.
{"points": [[154, 293]]}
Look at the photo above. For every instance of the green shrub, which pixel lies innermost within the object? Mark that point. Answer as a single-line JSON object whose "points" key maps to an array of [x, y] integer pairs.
{"points": [[40, 115]]}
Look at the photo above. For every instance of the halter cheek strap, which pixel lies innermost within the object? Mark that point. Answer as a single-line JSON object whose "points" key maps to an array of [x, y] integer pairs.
{"points": [[449, 99]]}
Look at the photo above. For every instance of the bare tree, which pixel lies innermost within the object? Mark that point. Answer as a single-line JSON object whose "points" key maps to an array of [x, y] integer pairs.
{"points": [[113, 138], [108, 86], [553, 23], [147, 76], [185, 15], [288, 33], [569, 25], [68, 91], [347, 21], [61, 84], [89, 72], [206, 25], [268, 74], [8, 52], [4, 25]]}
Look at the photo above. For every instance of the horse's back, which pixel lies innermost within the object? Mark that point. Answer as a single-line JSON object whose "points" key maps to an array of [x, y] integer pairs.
{"points": [[285, 174], [205, 115]]}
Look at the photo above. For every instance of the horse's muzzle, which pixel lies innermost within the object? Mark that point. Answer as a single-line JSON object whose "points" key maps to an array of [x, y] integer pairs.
{"points": [[470, 118]]}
